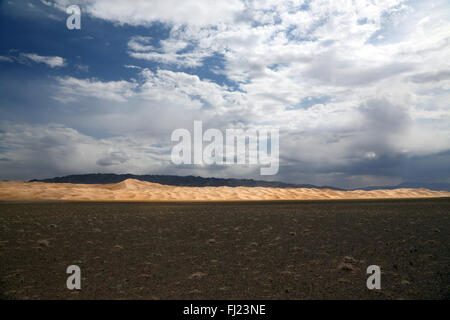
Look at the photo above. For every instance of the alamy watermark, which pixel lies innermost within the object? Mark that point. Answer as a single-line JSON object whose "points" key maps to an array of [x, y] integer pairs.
{"points": [[74, 19], [74, 280], [373, 281], [252, 146]]}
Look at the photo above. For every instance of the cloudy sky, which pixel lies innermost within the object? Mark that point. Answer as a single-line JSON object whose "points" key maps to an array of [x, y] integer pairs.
{"points": [[359, 89]]}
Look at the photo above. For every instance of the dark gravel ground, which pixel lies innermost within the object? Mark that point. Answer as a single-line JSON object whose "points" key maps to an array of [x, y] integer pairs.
{"points": [[270, 250]]}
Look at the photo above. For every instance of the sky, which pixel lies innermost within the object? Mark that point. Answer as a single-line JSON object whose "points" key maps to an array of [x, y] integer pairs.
{"points": [[359, 90]]}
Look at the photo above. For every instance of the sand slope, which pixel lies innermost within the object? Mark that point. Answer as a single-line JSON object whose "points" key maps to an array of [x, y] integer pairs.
{"points": [[135, 190]]}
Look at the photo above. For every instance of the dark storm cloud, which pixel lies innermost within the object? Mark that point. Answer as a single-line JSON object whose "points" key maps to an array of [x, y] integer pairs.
{"points": [[112, 158], [368, 146], [330, 68], [430, 77], [380, 119]]}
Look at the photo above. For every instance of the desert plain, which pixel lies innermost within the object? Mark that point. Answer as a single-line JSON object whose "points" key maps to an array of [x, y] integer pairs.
{"points": [[132, 241]]}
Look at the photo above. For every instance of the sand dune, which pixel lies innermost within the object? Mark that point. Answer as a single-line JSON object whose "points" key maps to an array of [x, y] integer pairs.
{"points": [[135, 190]]}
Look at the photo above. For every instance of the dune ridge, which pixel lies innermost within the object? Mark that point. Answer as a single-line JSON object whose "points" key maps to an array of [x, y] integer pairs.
{"points": [[136, 190]]}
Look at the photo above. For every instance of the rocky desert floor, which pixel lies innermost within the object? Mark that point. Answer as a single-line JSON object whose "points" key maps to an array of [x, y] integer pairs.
{"points": [[226, 250]]}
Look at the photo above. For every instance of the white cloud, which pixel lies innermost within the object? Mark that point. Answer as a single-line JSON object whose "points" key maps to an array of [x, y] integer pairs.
{"points": [[70, 88], [143, 12], [51, 61], [56, 149], [6, 59], [168, 53], [47, 3], [163, 86], [25, 58]]}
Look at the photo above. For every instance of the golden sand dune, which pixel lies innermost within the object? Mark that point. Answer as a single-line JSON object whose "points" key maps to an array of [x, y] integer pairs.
{"points": [[135, 190]]}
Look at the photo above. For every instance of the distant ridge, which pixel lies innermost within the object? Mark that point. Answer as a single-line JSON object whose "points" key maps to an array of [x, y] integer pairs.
{"points": [[197, 181], [414, 185], [186, 181]]}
